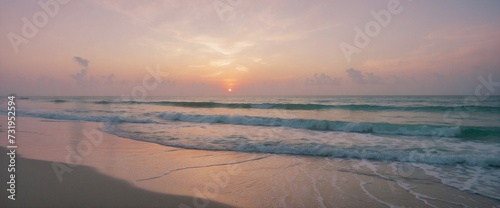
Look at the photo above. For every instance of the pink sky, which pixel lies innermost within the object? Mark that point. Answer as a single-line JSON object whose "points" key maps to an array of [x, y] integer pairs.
{"points": [[276, 47]]}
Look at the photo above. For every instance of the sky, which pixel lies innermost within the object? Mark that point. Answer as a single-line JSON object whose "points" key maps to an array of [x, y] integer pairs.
{"points": [[253, 47]]}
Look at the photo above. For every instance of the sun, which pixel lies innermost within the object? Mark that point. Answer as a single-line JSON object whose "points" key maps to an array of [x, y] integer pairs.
{"points": [[229, 90]]}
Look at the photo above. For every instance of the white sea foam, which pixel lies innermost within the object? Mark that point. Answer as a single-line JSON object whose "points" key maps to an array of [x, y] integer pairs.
{"points": [[300, 142]]}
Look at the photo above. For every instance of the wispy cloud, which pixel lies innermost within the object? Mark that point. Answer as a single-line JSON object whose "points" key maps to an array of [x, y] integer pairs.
{"points": [[221, 62], [241, 68], [194, 27]]}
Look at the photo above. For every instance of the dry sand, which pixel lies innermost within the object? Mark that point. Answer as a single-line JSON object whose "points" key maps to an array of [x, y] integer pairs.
{"points": [[119, 172], [85, 187]]}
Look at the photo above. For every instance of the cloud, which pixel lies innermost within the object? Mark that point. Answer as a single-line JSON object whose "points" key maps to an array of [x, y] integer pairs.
{"points": [[371, 78], [242, 68], [215, 74], [221, 62], [322, 79], [110, 78], [179, 27], [363, 77], [80, 77], [356, 75], [83, 62], [217, 45]]}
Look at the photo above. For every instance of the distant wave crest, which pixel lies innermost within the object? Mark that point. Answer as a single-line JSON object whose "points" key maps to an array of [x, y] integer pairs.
{"points": [[299, 106]]}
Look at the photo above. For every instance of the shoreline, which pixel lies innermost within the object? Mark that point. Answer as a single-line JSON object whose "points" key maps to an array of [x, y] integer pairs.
{"points": [[212, 178]]}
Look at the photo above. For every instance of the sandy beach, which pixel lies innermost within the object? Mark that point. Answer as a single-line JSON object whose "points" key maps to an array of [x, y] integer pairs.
{"points": [[120, 172]]}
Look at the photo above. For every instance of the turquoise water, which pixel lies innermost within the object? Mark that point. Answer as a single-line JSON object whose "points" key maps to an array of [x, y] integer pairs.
{"points": [[390, 128], [436, 133]]}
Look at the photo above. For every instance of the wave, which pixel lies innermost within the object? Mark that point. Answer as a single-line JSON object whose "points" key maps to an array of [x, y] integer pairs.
{"points": [[299, 106], [70, 117], [357, 127], [300, 147], [103, 102], [243, 144], [466, 132], [59, 101]]}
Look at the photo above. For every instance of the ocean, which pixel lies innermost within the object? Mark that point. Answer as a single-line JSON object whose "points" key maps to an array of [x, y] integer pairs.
{"points": [[454, 139]]}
